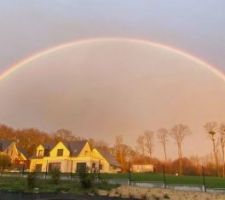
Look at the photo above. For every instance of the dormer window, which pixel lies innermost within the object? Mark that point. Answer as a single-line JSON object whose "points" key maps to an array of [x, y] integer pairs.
{"points": [[40, 153], [59, 152]]}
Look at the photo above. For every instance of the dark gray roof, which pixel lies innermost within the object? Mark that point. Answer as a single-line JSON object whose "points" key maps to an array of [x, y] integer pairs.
{"points": [[75, 147], [4, 144], [23, 151], [47, 148], [109, 157]]}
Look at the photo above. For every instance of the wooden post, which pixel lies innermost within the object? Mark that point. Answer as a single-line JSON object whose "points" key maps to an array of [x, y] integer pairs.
{"points": [[71, 174], [203, 179], [46, 169], [99, 164], [23, 168], [164, 176], [129, 175]]}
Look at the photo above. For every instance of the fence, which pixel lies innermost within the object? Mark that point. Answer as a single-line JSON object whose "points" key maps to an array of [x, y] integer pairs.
{"points": [[162, 180]]}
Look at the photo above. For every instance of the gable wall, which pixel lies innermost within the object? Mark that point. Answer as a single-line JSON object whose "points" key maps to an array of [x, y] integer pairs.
{"points": [[39, 147], [59, 145], [103, 161], [86, 151], [12, 152]]}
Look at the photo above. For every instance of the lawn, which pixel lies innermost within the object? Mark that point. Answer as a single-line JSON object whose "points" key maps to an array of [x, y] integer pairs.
{"points": [[70, 186], [211, 182]]}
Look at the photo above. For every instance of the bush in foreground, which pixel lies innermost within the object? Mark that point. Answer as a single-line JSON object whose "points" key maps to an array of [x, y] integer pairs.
{"points": [[86, 179], [31, 180], [5, 161], [55, 175]]}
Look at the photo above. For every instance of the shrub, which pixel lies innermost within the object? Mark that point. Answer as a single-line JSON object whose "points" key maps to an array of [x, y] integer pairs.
{"points": [[166, 196], [5, 161], [55, 175], [31, 180], [86, 179]]}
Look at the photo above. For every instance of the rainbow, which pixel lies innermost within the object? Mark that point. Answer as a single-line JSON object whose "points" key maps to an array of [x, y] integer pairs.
{"points": [[29, 59]]}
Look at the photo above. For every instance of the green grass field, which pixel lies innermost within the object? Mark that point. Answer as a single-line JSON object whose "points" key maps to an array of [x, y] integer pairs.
{"points": [[19, 184], [72, 186], [211, 182]]}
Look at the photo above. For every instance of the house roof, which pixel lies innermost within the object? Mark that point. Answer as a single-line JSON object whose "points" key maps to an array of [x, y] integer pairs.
{"points": [[48, 146], [4, 144], [47, 149], [23, 151], [109, 157], [75, 147]]}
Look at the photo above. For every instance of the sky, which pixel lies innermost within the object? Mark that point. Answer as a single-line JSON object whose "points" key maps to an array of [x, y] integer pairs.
{"points": [[129, 94], [193, 26]]}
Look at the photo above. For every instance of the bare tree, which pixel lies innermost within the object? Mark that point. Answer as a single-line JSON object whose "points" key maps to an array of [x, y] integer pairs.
{"points": [[148, 140], [118, 147], [141, 144], [64, 135], [211, 128], [178, 133], [222, 144], [123, 153], [163, 139]]}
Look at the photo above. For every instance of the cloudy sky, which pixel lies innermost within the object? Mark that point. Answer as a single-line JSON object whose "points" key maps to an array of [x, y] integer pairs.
{"points": [[116, 86], [194, 26]]}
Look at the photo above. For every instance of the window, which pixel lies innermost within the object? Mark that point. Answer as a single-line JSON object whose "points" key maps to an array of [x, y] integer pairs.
{"points": [[52, 166], [40, 153], [81, 167], [60, 152], [38, 167], [100, 166], [93, 166]]}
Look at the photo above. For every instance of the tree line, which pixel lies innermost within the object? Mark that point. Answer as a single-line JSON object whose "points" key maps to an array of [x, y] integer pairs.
{"points": [[142, 153]]}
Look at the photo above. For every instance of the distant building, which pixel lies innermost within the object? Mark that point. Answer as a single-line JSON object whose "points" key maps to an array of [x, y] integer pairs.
{"points": [[17, 155], [72, 157], [142, 168]]}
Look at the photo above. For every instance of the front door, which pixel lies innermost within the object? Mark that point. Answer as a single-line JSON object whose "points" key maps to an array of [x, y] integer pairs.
{"points": [[55, 165], [81, 167], [38, 167]]}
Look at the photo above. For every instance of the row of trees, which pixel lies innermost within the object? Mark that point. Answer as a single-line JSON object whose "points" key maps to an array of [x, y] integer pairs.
{"points": [[178, 133], [145, 146], [28, 139], [216, 134]]}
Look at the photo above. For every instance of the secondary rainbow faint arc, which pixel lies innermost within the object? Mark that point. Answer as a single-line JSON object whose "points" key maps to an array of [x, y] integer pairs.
{"points": [[31, 58]]}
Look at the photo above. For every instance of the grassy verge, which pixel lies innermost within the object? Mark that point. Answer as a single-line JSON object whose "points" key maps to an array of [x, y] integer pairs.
{"points": [[211, 182], [70, 186]]}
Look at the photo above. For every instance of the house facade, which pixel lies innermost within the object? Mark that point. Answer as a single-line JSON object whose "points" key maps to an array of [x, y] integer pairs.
{"points": [[142, 168], [71, 157], [17, 155]]}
